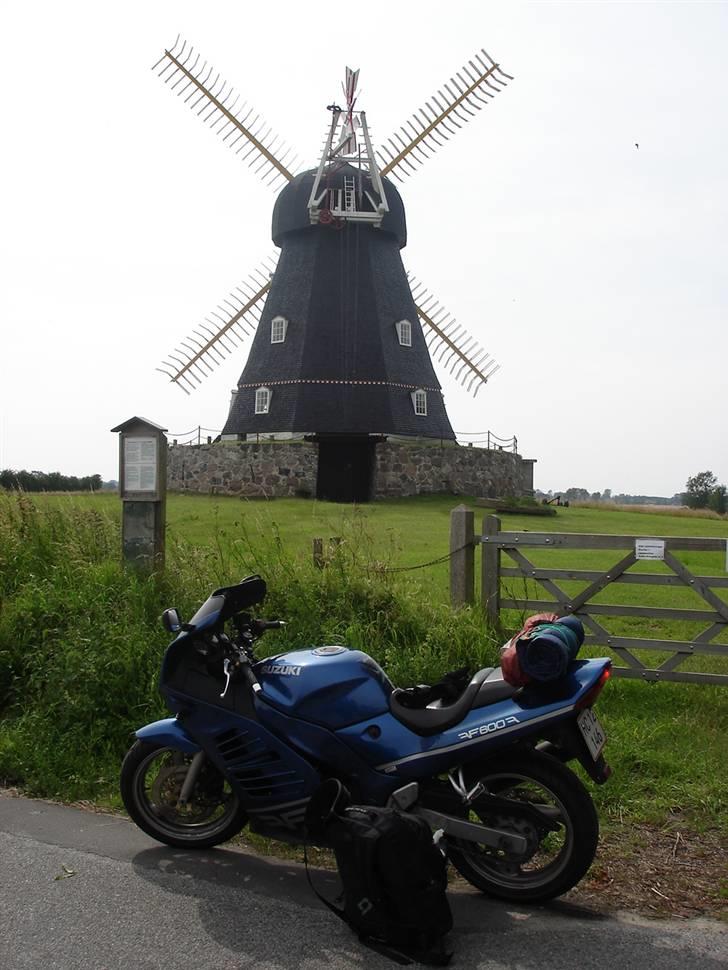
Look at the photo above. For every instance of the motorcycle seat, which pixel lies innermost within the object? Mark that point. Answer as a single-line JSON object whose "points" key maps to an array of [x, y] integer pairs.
{"points": [[437, 716]]}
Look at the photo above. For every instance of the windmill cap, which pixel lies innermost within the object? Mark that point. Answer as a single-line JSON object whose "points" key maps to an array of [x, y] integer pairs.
{"points": [[290, 212]]}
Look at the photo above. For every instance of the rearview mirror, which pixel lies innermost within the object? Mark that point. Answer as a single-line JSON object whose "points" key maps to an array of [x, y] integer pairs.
{"points": [[171, 621]]}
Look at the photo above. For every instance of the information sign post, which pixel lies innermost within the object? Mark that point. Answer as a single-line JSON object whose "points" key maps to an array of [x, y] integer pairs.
{"points": [[143, 492]]}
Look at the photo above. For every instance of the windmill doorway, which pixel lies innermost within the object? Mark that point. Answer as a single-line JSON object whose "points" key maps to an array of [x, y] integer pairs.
{"points": [[345, 468]]}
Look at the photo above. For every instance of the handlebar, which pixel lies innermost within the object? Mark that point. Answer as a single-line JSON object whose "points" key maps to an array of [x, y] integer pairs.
{"points": [[249, 675], [242, 653], [260, 626], [245, 668]]}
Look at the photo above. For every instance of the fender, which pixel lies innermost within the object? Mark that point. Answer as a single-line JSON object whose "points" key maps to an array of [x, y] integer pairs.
{"points": [[168, 731]]}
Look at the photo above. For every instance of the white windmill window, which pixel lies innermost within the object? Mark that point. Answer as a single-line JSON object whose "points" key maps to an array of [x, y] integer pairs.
{"points": [[404, 332], [419, 401], [262, 400], [278, 327]]}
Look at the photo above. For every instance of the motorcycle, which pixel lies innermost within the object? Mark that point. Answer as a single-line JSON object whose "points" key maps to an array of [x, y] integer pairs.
{"points": [[251, 740]]}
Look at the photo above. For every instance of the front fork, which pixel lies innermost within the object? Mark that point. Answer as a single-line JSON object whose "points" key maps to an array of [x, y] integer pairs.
{"points": [[170, 731], [193, 773]]}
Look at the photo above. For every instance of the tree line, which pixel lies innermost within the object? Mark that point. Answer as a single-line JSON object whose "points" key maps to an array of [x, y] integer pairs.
{"points": [[36, 481], [703, 491], [575, 494]]}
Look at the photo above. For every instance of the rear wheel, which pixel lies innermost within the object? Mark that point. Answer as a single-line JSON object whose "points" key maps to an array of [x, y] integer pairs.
{"points": [[559, 851], [151, 781]]}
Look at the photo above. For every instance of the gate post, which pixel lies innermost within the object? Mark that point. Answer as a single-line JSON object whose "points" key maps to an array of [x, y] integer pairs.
{"points": [[462, 572], [490, 571]]}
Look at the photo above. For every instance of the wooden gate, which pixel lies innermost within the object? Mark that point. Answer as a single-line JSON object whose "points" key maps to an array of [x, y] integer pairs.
{"points": [[498, 578]]}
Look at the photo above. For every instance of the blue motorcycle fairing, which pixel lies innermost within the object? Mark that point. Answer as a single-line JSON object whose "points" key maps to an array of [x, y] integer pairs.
{"points": [[399, 751], [322, 745], [169, 732], [263, 768], [332, 689]]}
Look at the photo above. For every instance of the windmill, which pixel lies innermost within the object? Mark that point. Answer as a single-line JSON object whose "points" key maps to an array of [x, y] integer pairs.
{"points": [[342, 337]]}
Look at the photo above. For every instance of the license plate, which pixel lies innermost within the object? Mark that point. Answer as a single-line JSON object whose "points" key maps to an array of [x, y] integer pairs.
{"points": [[592, 732]]}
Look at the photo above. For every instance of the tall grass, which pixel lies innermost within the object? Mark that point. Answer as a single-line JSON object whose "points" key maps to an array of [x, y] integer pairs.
{"points": [[81, 643]]}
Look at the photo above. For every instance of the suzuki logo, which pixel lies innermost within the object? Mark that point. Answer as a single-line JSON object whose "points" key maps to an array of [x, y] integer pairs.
{"points": [[287, 670]]}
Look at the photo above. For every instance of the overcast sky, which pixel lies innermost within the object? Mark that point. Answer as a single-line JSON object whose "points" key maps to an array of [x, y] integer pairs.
{"points": [[592, 270]]}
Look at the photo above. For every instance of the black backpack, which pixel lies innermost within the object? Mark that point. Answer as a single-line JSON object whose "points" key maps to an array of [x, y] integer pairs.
{"points": [[394, 877]]}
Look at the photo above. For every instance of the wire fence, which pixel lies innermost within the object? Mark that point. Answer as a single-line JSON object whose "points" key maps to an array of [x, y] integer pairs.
{"points": [[324, 553], [487, 440], [430, 562]]}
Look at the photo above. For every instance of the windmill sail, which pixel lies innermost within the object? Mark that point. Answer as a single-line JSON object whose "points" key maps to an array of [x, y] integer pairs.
{"points": [[225, 328], [450, 344], [217, 104], [455, 103]]}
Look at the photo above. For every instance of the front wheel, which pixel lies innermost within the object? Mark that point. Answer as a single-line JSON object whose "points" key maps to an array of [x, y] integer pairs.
{"points": [[151, 781], [559, 851]]}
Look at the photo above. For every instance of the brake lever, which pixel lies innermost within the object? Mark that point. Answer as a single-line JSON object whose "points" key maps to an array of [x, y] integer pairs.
{"points": [[228, 671]]}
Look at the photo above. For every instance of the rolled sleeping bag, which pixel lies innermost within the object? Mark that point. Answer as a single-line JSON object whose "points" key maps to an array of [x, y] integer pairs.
{"points": [[547, 650]]}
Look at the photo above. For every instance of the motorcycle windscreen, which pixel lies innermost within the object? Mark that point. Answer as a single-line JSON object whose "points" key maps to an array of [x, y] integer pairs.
{"points": [[228, 601], [244, 594]]}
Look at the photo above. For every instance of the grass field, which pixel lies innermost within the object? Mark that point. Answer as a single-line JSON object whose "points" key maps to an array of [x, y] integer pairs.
{"points": [[77, 633]]}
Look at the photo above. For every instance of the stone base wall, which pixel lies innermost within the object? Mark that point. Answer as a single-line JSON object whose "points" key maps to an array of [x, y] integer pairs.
{"points": [[283, 469], [277, 469], [411, 469]]}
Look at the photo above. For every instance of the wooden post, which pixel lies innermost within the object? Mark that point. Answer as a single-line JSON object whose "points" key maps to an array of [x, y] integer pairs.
{"points": [[462, 571], [322, 558], [490, 571]]}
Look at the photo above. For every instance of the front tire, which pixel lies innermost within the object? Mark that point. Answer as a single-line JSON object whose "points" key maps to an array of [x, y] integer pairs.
{"points": [[151, 781], [555, 860]]}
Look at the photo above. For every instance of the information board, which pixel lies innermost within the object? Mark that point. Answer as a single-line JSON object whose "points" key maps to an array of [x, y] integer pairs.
{"points": [[140, 464]]}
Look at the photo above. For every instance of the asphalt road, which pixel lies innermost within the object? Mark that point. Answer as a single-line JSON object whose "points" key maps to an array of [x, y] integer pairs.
{"points": [[81, 891]]}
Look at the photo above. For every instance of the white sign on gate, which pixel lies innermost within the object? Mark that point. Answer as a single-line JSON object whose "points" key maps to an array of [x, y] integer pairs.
{"points": [[649, 548]]}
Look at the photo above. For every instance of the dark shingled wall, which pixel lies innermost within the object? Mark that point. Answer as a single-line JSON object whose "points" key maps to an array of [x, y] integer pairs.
{"points": [[341, 368]]}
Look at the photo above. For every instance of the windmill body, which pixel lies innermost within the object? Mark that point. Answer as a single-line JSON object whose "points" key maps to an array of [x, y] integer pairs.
{"points": [[339, 348], [343, 338]]}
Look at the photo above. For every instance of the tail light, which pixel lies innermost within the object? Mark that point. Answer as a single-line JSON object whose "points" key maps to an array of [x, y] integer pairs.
{"points": [[589, 699]]}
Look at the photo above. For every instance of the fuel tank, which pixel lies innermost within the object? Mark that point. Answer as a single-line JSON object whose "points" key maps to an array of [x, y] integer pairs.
{"points": [[332, 686]]}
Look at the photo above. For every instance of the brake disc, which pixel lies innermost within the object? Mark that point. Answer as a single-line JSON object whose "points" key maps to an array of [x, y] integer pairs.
{"points": [[165, 794]]}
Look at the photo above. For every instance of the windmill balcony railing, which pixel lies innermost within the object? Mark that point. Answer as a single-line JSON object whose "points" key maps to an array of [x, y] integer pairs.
{"points": [[487, 440], [196, 436]]}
